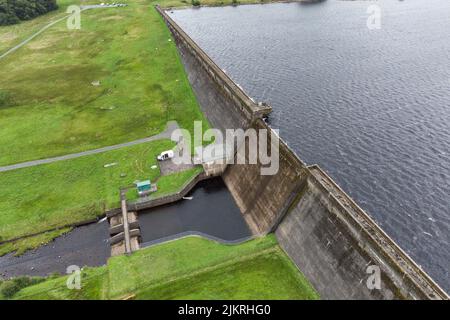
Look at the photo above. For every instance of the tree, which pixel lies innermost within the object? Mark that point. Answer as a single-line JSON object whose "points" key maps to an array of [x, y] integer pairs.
{"points": [[13, 11]]}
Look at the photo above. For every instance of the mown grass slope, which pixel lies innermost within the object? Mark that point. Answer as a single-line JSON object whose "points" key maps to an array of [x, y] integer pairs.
{"points": [[188, 268], [48, 196], [50, 106]]}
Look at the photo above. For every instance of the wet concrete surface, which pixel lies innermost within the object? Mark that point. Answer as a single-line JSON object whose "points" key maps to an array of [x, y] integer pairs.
{"points": [[212, 211], [84, 246]]}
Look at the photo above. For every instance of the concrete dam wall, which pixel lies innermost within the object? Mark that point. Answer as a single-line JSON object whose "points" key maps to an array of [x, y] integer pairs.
{"points": [[263, 199], [331, 240]]}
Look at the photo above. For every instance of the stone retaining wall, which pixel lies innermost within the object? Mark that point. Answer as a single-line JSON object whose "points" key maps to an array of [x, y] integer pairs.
{"points": [[149, 202]]}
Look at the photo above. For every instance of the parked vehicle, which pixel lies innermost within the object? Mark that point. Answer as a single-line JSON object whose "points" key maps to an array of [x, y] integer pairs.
{"points": [[165, 155]]}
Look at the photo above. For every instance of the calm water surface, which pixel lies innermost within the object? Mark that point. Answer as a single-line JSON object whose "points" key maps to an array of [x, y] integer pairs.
{"points": [[83, 246], [372, 107], [211, 211]]}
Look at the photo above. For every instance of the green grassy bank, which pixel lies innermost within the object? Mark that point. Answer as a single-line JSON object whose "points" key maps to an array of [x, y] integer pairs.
{"points": [[48, 196], [189, 268]]}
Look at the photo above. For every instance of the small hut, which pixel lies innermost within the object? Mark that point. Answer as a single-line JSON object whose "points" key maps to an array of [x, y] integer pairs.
{"points": [[144, 187]]}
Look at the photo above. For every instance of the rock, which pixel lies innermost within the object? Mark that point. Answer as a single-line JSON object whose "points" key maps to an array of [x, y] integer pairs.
{"points": [[95, 83], [110, 165], [108, 108]]}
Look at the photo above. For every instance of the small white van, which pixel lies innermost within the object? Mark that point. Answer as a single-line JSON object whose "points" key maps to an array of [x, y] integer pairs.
{"points": [[165, 155]]}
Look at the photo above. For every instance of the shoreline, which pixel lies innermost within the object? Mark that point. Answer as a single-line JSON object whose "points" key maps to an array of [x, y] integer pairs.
{"points": [[231, 4]]}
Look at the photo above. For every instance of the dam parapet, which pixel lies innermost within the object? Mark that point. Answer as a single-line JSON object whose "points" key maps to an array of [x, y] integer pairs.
{"points": [[337, 245], [327, 235], [242, 101]]}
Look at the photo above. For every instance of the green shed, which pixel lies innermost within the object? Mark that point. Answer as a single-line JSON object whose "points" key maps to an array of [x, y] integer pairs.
{"points": [[143, 186]]}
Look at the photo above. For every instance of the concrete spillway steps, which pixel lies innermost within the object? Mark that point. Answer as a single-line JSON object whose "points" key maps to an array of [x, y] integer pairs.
{"points": [[118, 236]]}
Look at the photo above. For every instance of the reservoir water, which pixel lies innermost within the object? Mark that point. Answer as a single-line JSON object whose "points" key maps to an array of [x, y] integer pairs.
{"points": [[370, 106], [209, 209], [83, 246]]}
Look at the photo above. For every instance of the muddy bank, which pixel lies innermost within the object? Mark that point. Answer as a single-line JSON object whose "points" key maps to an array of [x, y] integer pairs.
{"points": [[212, 211], [84, 246]]}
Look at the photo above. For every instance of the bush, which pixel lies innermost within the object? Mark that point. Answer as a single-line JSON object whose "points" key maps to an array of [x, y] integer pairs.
{"points": [[8, 18], [5, 99], [195, 3], [13, 11], [9, 288]]}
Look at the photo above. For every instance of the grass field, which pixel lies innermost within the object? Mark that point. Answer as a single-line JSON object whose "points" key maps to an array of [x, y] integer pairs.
{"points": [[192, 268], [47, 196], [269, 275], [14, 34], [49, 106]]}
